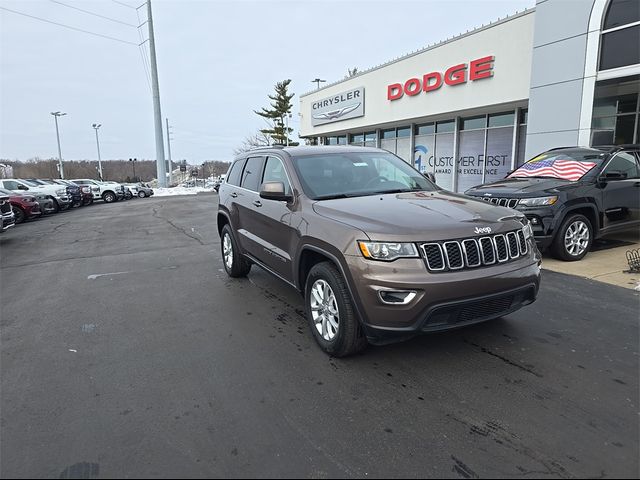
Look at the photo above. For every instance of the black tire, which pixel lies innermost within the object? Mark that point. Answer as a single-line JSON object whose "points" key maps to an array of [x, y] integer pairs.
{"points": [[109, 197], [239, 266], [20, 214], [349, 338], [559, 247], [141, 194], [56, 207], [88, 202]]}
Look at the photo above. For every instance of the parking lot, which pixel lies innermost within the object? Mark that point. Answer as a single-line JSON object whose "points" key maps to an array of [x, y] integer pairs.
{"points": [[128, 352]]}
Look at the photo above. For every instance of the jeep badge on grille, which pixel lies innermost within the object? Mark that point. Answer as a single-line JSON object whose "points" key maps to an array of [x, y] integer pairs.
{"points": [[485, 230]]}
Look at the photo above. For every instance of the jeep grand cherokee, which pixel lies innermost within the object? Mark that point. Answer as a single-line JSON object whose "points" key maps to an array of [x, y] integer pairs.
{"points": [[378, 251]]}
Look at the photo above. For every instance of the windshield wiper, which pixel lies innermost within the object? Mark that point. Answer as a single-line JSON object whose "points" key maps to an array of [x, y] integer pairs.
{"points": [[339, 195]]}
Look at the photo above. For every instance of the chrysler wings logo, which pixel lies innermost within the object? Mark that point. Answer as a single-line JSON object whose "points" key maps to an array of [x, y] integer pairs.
{"points": [[340, 112]]}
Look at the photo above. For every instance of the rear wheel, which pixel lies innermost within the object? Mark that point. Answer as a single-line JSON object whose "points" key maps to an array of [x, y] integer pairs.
{"points": [[109, 197], [56, 207], [141, 194], [574, 238], [331, 313], [234, 263], [20, 214]]}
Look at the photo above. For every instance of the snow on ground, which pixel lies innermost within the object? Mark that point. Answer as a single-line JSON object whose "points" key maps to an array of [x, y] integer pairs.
{"points": [[168, 192]]}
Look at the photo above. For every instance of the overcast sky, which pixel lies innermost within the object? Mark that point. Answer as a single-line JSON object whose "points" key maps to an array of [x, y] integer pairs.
{"points": [[217, 62]]}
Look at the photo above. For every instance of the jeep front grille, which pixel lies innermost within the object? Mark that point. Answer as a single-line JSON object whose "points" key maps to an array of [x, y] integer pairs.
{"points": [[503, 202], [474, 252]]}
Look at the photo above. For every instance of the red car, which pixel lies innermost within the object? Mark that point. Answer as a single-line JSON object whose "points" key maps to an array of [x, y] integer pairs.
{"points": [[24, 206]]}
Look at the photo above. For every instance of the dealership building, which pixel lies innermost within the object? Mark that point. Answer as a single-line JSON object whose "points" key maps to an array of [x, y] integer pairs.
{"points": [[471, 108]]}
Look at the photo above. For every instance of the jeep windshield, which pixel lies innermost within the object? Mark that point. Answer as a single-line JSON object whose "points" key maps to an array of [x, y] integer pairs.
{"points": [[570, 164], [355, 174]]}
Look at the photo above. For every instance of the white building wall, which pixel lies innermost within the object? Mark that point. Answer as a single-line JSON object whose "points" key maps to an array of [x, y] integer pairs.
{"points": [[509, 41]]}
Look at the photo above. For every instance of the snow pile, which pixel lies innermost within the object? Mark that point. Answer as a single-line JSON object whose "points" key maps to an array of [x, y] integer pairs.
{"points": [[173, 191]]}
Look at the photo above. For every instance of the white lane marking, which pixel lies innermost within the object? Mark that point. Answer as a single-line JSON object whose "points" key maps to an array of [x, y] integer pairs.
{"points": [[96, 275], [74, 351]]}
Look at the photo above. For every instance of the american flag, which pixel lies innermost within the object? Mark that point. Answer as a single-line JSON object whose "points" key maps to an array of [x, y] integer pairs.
{"points": [[566, 169]]}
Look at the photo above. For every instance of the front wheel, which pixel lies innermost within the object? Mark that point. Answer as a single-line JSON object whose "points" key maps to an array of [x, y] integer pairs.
{"points": [[331, 313], [109, 197], [20, 214], [574, 238], [141, 194], [234, 263]]}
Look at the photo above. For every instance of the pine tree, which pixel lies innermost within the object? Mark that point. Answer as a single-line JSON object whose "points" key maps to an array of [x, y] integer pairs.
{"points": [[278, 113]]}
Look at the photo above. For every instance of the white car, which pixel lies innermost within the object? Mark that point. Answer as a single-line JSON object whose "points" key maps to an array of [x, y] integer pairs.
{"points": [[102, 190], [57, 192]]}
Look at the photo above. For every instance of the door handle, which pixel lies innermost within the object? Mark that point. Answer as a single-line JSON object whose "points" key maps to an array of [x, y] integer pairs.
{"points": [[233, 195], [257, 203]]}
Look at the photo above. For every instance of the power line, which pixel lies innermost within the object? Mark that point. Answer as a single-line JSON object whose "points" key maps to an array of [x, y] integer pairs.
{"points": [[143, 54], [123, 4], [94, 14], [69, 27]]}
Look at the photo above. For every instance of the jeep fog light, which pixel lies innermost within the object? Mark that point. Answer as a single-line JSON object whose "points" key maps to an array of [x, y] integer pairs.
{"points": [[396, 297]]}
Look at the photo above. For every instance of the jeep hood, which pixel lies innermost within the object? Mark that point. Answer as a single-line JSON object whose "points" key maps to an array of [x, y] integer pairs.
{"points": [[521, 187], [419, 216]]}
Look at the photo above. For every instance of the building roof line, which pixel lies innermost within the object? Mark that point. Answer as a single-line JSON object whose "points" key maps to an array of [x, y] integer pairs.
{"points": [[427, 48]]}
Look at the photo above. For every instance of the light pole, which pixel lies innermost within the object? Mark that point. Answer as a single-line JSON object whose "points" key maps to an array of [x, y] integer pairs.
{"points": [[287, 117], [133, 161], [318, 81], [60, 167], [96, 126]]}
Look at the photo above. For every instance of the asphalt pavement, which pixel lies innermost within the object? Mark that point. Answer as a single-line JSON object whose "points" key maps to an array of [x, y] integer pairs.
{"points": [[126, 351]]}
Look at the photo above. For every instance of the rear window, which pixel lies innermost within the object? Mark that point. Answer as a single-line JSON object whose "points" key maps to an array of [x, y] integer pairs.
{"points": [[233, 177], [569, 165]]}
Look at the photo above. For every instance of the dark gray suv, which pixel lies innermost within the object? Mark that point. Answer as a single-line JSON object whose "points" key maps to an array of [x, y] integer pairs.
{"points": [[379, 252]]}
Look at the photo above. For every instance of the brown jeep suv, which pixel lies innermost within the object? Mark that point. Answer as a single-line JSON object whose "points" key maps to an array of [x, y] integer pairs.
{"points": [[379, 252]]}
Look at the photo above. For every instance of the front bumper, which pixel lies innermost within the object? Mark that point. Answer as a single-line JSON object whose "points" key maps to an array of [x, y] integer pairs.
{"points": [[443, 300], [7, 220]]}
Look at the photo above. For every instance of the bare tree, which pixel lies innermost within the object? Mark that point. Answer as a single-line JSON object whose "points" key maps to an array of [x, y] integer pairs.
{"points": [[259, 139], [351, 72]]}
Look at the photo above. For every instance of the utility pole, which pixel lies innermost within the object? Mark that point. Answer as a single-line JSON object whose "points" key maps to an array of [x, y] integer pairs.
{"points": [[157, 114], [60, 167], [169, 153], [96, 126]]}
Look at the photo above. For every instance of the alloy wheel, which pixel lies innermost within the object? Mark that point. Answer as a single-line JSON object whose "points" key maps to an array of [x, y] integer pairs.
{"points": [[324, 310], [576, 238], [227, 251]]}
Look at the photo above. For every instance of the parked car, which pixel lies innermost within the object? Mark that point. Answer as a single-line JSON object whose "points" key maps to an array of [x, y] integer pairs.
{"points": [[58, 193], [119, 189], [379, 252], [7, 217], [24, 205], [101, 190], [144, 191], [85, 190], [73, 191], [573, 195]]}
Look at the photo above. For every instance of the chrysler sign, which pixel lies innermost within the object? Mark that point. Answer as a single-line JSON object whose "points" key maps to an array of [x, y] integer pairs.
{"points": [[455, 75], [349, 104]]}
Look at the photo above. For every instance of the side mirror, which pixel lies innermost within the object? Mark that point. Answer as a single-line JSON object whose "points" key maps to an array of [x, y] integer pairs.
{"points": [[430, 176], [612, 176], [22, 187], [274, 191]]}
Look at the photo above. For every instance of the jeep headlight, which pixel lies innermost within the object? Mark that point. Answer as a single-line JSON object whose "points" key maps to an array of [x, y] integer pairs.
{"points": [[528, 231], [60, 192], [387, 251], [538, 201]]}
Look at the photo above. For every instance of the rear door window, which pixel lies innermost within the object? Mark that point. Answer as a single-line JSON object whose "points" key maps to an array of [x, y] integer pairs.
{"points": [[233, 177], [252, 173]]}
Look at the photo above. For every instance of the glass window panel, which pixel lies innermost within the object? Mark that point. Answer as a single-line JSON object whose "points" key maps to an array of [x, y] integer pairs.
{"points": [[471, 159], [403, 132], [604, 123], [233, 177], [444, 160], [342, 140], [628, 103], [605, 106], [370, 143], [252, 173], [624, 129], [623, 162], [501, 119], [473, 122], [403, 149], [620, 48], [357, 138], [522, 144], [498, 161], [423, 153], [425, 129], [370, 136], [388, 144], [332, 141], [391, 133], [622, 12], [524, 116], [274, 172], [444, 127]]}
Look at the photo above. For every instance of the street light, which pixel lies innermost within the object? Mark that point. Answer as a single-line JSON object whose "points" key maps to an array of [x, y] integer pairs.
{"points": [[318, 81], [96, 126], [60, 168], [133, 161]]}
